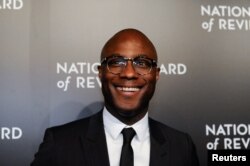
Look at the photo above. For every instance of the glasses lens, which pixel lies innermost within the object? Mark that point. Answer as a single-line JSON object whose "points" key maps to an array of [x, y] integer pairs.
{"points": [[116, 64], [142, 65]]}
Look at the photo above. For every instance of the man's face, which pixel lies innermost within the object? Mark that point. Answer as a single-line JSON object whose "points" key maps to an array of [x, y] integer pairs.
{"points": [[128, 93]]}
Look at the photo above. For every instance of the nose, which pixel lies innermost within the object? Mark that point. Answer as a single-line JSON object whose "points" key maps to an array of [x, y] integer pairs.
{"points": [[129, 71]]}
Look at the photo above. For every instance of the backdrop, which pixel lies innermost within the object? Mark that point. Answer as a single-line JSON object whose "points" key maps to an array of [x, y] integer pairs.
{"points": [[50, 49]]}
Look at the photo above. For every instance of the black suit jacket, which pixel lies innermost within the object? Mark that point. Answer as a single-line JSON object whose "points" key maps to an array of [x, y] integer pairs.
{"points": [[83, 143]]}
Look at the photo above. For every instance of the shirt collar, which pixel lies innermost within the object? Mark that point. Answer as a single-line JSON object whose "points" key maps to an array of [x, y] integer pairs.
{"points": [[114, 126]]}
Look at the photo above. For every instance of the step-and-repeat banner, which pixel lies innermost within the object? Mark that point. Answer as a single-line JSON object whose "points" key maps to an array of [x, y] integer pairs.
{"points": [[50, 51]]}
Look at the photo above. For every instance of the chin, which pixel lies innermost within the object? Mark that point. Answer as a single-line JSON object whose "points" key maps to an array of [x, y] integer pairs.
{"points": [[127, 114], [130, 111]]}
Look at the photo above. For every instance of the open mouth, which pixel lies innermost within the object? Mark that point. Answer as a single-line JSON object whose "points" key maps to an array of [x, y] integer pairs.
{"points": [[128, 89]]}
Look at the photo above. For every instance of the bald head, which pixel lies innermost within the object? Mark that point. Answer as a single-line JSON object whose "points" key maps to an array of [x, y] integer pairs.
{"points": [[128, 39]]}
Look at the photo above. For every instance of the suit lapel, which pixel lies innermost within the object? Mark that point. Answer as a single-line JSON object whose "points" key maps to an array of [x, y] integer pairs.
{"points": [[159, 148], [94, 142], [95, 146]]}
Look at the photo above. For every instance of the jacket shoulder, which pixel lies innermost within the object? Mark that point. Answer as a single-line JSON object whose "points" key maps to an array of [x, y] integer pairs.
{"points": [[72, 129], [166, 129], [180, 144], [175, 137]]}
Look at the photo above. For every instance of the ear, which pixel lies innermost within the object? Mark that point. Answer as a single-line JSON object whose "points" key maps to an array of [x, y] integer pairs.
{"points": [[99, 71], [158, 73]]}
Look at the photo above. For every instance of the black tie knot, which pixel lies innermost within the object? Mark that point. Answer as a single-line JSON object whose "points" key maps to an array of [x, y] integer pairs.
{"points": [[128, 134]]}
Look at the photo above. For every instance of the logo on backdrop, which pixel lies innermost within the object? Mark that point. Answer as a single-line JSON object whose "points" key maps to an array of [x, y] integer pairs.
{"points": [[225, 18], [11, 4], [10, 133], [85, 75], [228, 136]]}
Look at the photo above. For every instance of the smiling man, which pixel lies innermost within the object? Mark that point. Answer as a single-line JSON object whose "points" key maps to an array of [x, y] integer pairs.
{"points": [[128, 74], [121, 134]]}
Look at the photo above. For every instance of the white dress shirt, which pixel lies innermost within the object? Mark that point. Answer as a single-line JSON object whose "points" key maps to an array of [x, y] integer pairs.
{"points": [[140, 143]]}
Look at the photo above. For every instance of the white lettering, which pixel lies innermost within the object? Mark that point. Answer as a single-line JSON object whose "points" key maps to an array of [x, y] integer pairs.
{"points": [[182, 69], [245, 142], [11, 4], [228, 129], [233, 24], [5, 133], [11, 133], [16, 133], [60, 68], [222, 11], [173, 69], [17, 4], [211, 129], [236, 143], [88, 82], [77, 68], [80, 82], [221, 130], [215, 157], [242, 129], [163, 69]]}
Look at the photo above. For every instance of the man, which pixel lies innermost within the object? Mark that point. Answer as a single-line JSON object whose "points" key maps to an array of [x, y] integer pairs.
{"points": [[120, 134]]}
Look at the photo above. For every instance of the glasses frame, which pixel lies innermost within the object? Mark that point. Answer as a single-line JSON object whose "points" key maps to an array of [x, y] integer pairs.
{"points": [[105, 60]]}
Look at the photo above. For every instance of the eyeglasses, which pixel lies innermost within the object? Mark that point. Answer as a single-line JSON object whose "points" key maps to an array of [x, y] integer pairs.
{"points": [[116, 63]]}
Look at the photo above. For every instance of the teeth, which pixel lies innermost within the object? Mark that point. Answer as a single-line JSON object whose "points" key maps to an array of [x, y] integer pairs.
{"points": [[128, 89]]}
